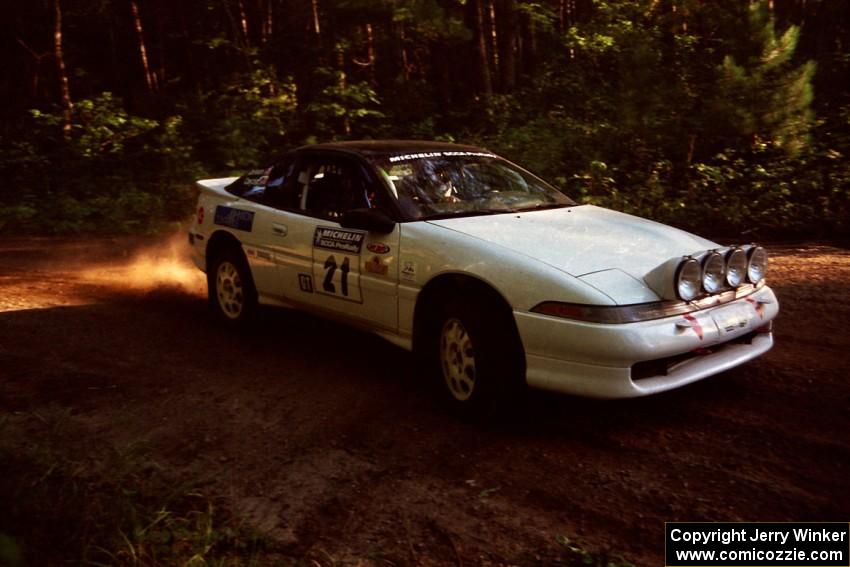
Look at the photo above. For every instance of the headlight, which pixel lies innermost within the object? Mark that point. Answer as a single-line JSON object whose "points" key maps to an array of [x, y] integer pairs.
{"points": [[736, 267], [713, 272], [688, 279], [756, 264]]}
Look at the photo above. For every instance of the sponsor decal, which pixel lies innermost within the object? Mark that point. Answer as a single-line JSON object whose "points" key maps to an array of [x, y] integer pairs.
{"points": [[343, 240], [694, 325], [408, 271], [425, 155], [305, 282], [758, 306], [376, 266], [257, 177], [378, 247], [234, 218]]}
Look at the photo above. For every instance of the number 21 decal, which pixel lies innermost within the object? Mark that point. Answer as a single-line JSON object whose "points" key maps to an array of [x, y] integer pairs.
{"points": [[330, 268]]}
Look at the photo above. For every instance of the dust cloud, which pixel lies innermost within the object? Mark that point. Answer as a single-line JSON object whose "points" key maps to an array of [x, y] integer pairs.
{"points": [[164, 264]]}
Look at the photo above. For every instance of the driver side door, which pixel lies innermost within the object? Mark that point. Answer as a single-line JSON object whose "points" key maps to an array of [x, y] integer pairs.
{"points": [[341, 271]]}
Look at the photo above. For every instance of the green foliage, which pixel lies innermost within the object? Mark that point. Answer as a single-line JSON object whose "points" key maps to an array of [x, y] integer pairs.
{"points": [[766, 97], [690, 112], [244, 121], [113, 507], [342, 107], [115, 173]]}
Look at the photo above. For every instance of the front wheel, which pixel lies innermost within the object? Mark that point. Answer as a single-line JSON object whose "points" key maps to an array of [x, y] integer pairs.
{"points": [[478, 356], [231, 288]]}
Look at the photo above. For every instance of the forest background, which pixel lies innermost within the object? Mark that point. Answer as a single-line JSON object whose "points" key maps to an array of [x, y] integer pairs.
{"points": [[726, 117]]}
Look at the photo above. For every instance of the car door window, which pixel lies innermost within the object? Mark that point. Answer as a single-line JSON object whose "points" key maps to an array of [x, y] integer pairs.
{"points": [[272, 186], [329, 187]]}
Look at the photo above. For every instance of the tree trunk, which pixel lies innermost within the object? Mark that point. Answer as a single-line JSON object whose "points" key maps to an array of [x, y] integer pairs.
{"points": [[528, 40], [160, 32], [506, 12], [481, 49], [150, 78], [494, 41], [370, 52], [36, 73], [402, 42], [343, 85], [316, 29], [269, 20], [243, 21], [59, 54]]}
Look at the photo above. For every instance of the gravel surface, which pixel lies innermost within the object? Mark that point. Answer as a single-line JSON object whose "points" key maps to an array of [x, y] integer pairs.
{"points": [[322, 438]]}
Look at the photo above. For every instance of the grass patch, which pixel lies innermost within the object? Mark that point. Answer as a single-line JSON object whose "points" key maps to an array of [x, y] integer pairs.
{"points": [[68, 500], [578, 554]]}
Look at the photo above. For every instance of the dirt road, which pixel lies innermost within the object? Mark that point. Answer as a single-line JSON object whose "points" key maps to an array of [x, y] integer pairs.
{"points": [[320, 437]]}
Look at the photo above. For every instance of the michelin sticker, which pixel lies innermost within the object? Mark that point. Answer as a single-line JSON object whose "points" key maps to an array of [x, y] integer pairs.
{"points": [[346, 241], [234, 218], [427, 155]]}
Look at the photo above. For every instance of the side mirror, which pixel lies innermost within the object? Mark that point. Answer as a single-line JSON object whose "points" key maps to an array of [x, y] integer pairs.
{"points": [[372, 220]]}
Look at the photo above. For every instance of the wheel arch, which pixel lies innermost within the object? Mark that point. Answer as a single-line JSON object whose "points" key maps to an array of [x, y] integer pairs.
{"points": [[472, 287], [220, 240]]}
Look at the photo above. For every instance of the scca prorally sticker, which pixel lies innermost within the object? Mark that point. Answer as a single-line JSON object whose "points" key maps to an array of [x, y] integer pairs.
{"points": [[234, 218], [343, 240]]}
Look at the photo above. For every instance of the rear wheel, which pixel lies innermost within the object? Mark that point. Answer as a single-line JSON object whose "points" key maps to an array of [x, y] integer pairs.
{"points": [[231, 290]]}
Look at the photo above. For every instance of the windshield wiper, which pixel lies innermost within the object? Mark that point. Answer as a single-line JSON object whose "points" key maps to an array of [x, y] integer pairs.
{"points": [[546, 206], [458, 214]]}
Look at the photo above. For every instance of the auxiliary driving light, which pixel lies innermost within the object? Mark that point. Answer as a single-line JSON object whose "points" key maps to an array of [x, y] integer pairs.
{"points": [[688, 279], [757, 264], [736, 266], [713, 272]]}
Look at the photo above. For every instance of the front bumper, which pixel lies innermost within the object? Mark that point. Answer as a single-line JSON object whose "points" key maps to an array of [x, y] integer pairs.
{"points": [[610, 361]]}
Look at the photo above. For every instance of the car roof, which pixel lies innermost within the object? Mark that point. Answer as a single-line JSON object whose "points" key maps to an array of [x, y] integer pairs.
{"points": [[369, 148]]}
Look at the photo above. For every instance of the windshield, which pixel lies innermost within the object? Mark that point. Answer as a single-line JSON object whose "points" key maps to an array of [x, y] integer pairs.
{"points": [[449, 184]]}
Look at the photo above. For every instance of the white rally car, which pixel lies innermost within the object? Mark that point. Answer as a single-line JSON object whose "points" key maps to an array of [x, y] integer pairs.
{"points": [[489, 274]]}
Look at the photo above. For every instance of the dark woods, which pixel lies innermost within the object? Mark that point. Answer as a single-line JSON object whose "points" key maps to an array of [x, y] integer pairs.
{"points": [[719, 116]]}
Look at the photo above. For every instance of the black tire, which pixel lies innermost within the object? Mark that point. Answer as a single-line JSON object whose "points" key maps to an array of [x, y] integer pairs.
{"points": [[476, 356], [230, 288]]}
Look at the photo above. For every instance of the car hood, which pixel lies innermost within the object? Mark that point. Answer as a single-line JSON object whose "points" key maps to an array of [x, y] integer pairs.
{"points": [[583, 239]]}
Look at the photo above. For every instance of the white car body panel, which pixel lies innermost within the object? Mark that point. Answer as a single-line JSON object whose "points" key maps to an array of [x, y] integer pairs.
{"points": [[581, 240], [579, 255]]}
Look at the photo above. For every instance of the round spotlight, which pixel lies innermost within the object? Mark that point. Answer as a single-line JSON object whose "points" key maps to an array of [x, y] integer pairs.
{"points": [[688, 276], [713, 272], [756, 264], [736, 266]]}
